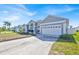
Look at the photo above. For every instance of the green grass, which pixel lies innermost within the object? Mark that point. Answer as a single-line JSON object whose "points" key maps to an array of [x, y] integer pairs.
{"points": [[66, 45], [76, 37], [7, 32], [8, 35]]}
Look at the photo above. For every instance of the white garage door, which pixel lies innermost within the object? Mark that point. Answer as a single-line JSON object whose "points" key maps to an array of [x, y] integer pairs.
{"points": [[54, 30]]}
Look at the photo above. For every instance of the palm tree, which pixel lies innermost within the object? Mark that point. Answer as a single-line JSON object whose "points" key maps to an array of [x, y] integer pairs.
{"points": [[7, 24]]}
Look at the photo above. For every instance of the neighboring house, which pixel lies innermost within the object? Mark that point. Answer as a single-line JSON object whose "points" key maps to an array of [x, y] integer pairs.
{"points": [[22, 28], [32, 27], [16, 28], [73, 30], [38, 26], [50, 26], [25, 28], [77, 28]]}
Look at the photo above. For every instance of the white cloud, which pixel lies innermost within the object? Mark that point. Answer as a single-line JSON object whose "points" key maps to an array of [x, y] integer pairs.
{"points": [[59, 10], [12, 18], [22, 6], [1, 24], [68, 8], [5, 11], [30, 13], [22, 10], [14, 14]]}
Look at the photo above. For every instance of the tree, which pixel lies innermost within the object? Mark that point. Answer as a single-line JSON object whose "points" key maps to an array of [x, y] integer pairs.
{"points": [[3, 28], [7, 25], [21, 28], [0, 30]]}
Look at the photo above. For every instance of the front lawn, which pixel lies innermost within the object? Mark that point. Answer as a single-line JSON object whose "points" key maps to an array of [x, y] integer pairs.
{"points": [[9, 35], [76, 37], [65, 45]]}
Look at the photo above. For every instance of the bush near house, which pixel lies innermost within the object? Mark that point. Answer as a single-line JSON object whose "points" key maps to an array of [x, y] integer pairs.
{"points": [[66, 44], [76, 37], [67, 37]]}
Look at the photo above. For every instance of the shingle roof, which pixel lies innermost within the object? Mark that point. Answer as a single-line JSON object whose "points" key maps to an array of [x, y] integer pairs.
{"points": [[51, 18]]}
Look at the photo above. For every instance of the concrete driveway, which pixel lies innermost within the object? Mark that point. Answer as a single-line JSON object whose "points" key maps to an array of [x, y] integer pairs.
{"points": [[25, 46]]}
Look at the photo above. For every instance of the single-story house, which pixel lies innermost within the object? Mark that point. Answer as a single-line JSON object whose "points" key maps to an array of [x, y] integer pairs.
{"points": [[54, 26]]}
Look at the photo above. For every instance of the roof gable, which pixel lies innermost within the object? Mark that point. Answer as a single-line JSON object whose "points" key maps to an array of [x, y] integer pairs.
{"points": [[31, 21], [51, 18]]}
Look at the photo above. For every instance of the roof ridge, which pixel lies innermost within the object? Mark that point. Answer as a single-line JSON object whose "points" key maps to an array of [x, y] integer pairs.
{"points": [[53, 18], [56, 16]]}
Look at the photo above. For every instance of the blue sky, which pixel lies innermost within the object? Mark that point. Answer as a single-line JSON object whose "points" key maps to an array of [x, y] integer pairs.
{"points": [[19, 14]]}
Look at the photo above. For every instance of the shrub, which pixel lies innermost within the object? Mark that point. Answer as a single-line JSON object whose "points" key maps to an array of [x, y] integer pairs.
{"points": [[76, 37], [67, 37]]}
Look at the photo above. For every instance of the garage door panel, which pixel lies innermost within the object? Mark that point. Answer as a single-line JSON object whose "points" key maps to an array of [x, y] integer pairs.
{"points": [[56, 31], [52, 31]]}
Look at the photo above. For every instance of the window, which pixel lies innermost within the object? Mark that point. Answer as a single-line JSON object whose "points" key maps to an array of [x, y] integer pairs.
{"points": [[52, 26], [59, 26], [56, 26], [38, 26]]}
